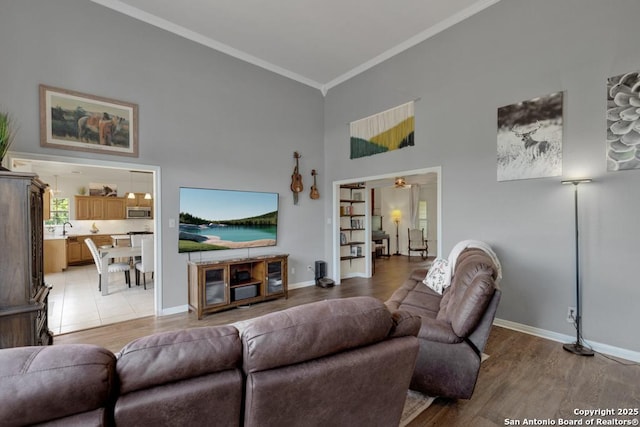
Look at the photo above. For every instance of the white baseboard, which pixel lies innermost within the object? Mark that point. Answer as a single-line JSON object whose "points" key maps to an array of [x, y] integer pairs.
{"points": [[301, 284], [622, 353], [174, 310]]}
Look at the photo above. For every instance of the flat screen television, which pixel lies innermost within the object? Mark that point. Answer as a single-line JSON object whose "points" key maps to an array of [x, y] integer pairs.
{"points": [[212, 219]]}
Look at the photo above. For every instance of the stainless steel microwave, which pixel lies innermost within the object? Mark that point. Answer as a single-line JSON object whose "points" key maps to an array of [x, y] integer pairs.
{"points": [[138, 212]]}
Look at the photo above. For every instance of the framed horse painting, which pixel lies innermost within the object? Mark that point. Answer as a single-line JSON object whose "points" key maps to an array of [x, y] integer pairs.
{"points": [[71, 120]]}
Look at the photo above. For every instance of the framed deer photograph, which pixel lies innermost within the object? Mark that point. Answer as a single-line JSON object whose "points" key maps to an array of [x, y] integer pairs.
{"points": [[71, 120], [530, 138]]}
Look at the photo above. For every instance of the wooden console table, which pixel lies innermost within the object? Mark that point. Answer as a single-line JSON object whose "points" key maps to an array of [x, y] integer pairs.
{"points": [[216, 285]]}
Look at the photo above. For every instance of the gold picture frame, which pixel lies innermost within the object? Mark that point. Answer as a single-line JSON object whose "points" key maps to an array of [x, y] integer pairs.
{"points": [[71, 120]]}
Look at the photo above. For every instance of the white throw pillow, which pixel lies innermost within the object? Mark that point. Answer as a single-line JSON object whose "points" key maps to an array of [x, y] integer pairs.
{"points": [[439, 275]]}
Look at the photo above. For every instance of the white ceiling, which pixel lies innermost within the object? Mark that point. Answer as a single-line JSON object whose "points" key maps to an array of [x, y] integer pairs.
{"points": [[320, 43], [47, 170]]}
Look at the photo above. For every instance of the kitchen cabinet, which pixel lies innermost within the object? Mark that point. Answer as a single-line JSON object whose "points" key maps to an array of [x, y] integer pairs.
{"points": [[55, 255], [113, 208], [92, 207], [88, 207], [74, 251], [78, 252], [46, 205], [139, 201]]}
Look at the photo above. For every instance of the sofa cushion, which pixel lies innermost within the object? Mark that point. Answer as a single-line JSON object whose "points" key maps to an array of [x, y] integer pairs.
{"points": [[58, 381], [472, 303], [439, 276], [438, 331], [311, 331], [471, 290], [414, 297], [171, 356], [404, 324], [212, 399]]}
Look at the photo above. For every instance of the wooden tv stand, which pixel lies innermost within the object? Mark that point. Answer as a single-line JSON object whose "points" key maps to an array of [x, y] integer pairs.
{"points": [[216, 285]]}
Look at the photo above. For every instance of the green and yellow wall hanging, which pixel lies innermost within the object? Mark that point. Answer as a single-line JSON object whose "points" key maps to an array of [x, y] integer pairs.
{"points": [[382, 132]]}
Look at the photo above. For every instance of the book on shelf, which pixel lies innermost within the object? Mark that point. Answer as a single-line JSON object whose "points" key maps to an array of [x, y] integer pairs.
{"points": [[357, 223], [356, 250], [343, 239]]}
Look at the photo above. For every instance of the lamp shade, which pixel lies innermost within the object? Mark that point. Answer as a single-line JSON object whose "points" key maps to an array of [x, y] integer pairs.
{"points": [[577, 181], [396, 214]]}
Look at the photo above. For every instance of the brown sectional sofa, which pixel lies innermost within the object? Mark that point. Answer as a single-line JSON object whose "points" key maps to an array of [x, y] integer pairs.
{"points": [[187, 377], [455, 326], [338, 362]]}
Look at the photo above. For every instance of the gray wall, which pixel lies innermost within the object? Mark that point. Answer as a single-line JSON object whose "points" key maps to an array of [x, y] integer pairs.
{"points": [[213, 121], [208, 120], [516, 50]]}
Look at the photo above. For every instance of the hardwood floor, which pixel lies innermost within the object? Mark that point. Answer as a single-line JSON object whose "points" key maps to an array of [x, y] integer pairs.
{"points": [[525, 377], [390, 273]]}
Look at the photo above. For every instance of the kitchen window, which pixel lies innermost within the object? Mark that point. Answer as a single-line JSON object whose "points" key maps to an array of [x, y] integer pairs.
{"points": [[59, 211], [422, 215]]}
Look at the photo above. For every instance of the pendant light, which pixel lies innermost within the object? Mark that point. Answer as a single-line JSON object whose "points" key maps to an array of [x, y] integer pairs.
{"points": [[131, 194], [55, 192], [147, 195]]}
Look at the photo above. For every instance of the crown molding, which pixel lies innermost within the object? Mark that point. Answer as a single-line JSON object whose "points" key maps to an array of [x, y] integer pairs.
{"points": [[161, 23]]}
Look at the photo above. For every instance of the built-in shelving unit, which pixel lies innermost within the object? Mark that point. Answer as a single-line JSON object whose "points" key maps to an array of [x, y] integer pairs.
{"points": [[352, 229]]}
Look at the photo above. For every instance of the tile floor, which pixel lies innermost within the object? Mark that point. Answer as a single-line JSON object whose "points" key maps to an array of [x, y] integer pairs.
{"points": [[76, 304]]}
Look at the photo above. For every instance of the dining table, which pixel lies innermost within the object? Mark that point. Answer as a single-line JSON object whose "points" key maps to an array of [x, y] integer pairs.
{"points": [[108, 253]]}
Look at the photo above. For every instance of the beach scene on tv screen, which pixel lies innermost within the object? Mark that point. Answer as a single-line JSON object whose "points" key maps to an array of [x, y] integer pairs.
{"points": [[213, 219]]}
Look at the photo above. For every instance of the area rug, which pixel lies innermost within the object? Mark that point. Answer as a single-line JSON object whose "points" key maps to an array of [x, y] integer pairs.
{"points": [[417, 402], [414, 405]]}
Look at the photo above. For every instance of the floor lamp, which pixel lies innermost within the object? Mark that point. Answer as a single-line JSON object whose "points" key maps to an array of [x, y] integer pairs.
{"points": [[577, 347], [395, 216]]}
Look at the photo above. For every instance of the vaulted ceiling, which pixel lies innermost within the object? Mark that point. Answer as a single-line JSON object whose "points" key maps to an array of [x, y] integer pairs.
{"points": [[320, 43]]}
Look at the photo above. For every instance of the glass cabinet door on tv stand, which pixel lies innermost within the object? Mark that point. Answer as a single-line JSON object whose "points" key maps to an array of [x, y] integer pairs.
{"points": [[276, 277], [215, 287]]}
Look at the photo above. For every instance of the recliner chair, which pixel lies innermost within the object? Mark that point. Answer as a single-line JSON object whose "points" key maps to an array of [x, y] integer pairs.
{"points": [[455, 325]]}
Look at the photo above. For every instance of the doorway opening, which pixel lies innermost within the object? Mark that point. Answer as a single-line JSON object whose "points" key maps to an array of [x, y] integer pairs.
{"points": [[71, 177], [359, 217]]}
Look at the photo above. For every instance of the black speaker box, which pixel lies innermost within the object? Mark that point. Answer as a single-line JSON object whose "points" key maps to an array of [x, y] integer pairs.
{"points": [[321, 269]]}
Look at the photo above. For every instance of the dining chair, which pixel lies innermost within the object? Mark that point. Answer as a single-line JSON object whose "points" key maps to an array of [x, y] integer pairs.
{"points": [[111, 268], [417, 242], [146, 263], [135, 242]]}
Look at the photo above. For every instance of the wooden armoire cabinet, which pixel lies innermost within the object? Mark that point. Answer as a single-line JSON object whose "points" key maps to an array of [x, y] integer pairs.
{"points": [[23, 293]]}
